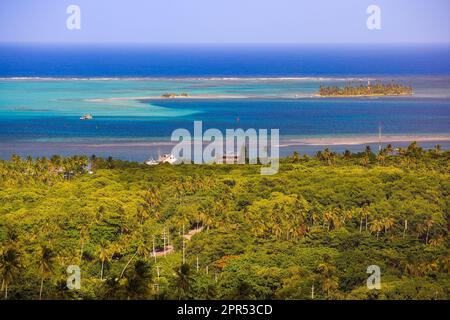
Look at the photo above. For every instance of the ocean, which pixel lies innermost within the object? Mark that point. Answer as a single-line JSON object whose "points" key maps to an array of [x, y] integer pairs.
{"points": [[44, 89]]}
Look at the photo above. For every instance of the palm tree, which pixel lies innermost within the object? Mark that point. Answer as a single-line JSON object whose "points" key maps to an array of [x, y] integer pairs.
{"points": [[83, 238], [16, 159], [387, 224], [389, 149], [259, 228], [414, 150], [326, 219], [365, 160], [93, 160], [347, 215], [277, 230], [314, 215], [368, 151], [104, 255], [326, 277], [109, 163], [55, 162], [299, 230], [347, 154], [142, 214], [29, 163], [46, 264], [429, 223], [424, 228], [381, 157], [138, 282], [364, 213], [377, 226], [83, 163], [328, 156], [183, 280], [331, 218], [295, 157], [152, 199], [142, 250], [10, 266], [437, 149]]}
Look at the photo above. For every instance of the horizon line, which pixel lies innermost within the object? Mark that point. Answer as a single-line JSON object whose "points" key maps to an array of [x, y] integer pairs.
{"points": [[220, 43]]}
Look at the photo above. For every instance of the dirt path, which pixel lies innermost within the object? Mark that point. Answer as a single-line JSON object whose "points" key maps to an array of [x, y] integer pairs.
{"points": [[192, 232], [171, 249]]}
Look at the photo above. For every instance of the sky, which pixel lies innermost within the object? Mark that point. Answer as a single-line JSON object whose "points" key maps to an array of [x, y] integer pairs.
{"points": [[225, 21]]}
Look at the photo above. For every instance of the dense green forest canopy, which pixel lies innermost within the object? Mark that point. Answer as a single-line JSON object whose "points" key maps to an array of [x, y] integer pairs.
{"points": [[377, 89], [318, 223]]}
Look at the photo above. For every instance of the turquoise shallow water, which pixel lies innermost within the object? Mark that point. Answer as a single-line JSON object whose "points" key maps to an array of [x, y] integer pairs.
{"points": [[41, 116]]}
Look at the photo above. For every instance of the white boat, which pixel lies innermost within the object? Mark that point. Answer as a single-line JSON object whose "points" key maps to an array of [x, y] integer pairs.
{"points": [[87, 117], [165, 158], [151, 162]]}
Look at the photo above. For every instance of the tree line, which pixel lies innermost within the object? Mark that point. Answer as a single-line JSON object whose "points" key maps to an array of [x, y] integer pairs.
{"points": [[308, 232]]}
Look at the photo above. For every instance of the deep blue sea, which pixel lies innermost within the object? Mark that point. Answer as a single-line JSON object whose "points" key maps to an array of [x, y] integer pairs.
{"points": [[51, 60], [44, 89]]}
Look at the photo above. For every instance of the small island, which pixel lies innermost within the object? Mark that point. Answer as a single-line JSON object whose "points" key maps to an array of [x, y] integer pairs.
{"points": [[175, 95], [369, 90]]}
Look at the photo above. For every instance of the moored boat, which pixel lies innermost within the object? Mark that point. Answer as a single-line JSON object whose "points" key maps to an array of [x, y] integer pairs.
{"points": [[165, 158], [87, 116]]}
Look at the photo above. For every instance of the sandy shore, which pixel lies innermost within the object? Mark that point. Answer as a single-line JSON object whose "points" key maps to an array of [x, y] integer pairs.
{"points": [[284, 141], [238, 96], [357, 140], [198, 96]]}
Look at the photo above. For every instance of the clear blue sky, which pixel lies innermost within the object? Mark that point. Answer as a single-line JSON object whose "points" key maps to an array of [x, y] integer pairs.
{"points": [[225, 21]]}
